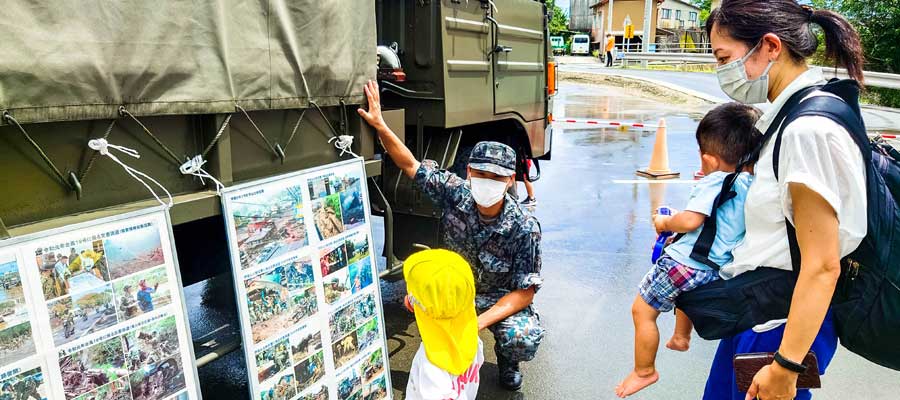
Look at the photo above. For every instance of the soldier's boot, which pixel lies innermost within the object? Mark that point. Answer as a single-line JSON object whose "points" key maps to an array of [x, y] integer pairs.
{"points": [[510, 376]]}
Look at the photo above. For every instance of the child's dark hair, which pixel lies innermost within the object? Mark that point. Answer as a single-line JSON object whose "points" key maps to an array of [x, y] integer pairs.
{"points": [[729, 131]]}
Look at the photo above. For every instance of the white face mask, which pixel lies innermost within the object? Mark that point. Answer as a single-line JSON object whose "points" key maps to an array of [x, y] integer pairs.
{"points": [[487, 192], [735, 83]]}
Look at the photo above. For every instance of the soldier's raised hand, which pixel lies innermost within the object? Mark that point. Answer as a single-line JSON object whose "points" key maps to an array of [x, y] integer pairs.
{"points": [[373, 116]]}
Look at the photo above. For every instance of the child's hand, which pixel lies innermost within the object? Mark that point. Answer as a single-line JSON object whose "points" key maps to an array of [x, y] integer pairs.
{"points": [[660, 221]]}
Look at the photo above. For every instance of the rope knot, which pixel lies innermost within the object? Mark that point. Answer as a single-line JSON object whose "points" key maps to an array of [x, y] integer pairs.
{"points": [[344, 143], [102, 146], [194, 167]]}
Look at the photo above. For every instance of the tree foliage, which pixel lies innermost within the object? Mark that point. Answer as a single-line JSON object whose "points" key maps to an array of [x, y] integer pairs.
{"points": [[559, 23], [878, 24]]}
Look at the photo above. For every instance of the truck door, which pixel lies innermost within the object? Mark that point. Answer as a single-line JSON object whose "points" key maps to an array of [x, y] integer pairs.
{"points": [[519, 59]]}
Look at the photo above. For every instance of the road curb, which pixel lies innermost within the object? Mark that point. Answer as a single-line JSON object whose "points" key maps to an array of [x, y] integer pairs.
{"points": [[667, 85]]}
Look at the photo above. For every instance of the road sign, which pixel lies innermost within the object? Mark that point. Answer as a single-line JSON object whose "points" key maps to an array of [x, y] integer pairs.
{"points": [[629, 31]]}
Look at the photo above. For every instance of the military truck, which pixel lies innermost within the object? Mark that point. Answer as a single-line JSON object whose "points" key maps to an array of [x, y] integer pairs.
{"points": [[255, 89]]}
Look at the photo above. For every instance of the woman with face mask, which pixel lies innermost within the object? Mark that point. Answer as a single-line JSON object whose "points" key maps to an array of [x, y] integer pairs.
{"points": [[762, 48]]}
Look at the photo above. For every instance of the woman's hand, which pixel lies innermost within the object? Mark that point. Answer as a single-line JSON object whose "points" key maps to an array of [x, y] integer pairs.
{"points": [[773, 382], [373, 115]]}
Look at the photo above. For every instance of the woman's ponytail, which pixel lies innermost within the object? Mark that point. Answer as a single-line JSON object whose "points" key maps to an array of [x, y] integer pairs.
{"points": [[842, 43], [750, 20]]}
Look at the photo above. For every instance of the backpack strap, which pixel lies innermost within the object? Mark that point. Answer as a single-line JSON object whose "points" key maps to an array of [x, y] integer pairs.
{"points": [[842, 113], [703, 245]]}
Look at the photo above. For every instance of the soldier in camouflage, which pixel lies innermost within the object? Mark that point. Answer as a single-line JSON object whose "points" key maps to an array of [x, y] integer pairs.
{"points": [[484, 224]]}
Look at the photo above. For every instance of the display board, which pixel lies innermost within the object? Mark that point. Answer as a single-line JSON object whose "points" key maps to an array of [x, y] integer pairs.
{"points": [[307, 285], [95, 311]]}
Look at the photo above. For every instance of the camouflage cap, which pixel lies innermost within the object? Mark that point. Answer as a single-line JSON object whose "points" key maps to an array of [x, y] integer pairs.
{"points": [[493, 157]]}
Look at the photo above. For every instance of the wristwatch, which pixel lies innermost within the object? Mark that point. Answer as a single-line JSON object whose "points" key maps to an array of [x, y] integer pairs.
{"points": [[789, 365]]}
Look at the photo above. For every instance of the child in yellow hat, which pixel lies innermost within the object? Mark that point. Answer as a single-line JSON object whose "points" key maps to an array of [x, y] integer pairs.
{"points": [[441, 292]]}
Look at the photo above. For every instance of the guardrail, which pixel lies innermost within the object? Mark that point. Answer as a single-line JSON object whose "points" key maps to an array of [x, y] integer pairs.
{"points": [[874, 79]]}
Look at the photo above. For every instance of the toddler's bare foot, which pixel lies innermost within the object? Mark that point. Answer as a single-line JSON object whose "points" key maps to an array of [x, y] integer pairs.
{"points": [[679, 343], [635, 382]]}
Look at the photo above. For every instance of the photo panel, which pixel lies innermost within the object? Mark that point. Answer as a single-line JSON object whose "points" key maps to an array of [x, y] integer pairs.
{"points": [[281, 296], [376, 390], [151, 343], [349, 385], [116, 390]]}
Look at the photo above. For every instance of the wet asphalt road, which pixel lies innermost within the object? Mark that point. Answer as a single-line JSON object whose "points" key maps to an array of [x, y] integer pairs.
{"points": [[596, 246]]}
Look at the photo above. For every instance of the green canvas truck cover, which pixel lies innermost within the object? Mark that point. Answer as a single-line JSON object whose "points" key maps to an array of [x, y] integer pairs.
{"points": [[80, 60]]}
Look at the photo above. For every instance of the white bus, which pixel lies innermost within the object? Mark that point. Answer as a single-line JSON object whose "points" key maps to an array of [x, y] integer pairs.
{"points": [[581, 44]]}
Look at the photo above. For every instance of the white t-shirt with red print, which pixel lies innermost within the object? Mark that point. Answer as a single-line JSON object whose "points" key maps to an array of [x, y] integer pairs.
{"points": [[428, 382]]}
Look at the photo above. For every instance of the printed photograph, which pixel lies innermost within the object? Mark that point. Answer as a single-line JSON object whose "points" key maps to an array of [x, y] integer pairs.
{"points": [[283, 389], [367, 333], [142, 293], [151, 343], [310, 370], [134, 251], [28, 385], [323, 186], [158, 381], [352, 208], [84, 266], [337, 286], [373, 365], [273, 359], [365, 307], [12, 298], [81, 313], [298, 274], [118, 390], [357, 247], [333, 259], [343, 320], [269, 225], [316, 394], [16, 343], [305, 304], [270, 304], [93, 367], [304, 342], [349, 385], [345, 348], [360, 274], [376, 390], [327, 215]]}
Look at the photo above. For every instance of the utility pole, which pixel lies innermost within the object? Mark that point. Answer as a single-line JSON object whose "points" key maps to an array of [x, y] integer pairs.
{"points": [[610, 19], [645, 39]]}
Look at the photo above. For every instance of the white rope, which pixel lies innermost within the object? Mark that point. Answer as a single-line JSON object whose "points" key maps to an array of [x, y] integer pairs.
{"points": [[194, 167], [343, 143], [102, 146]]}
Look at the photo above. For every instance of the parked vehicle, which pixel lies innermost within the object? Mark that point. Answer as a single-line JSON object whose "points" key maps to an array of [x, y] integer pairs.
{"points": [[581, 45], [558, 45]]}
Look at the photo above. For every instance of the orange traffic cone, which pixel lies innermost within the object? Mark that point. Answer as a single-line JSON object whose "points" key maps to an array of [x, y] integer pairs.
{"points": [[659, 161]]}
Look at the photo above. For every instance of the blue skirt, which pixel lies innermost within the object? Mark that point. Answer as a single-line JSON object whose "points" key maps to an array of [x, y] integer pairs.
{"points": [[721, 383]]}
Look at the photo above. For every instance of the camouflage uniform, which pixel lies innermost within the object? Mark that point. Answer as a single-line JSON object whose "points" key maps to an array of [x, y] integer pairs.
{"points": [[504, 254]]}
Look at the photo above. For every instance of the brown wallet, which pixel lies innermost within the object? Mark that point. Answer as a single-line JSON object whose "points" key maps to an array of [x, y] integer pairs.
{"points": [[747, 365]]}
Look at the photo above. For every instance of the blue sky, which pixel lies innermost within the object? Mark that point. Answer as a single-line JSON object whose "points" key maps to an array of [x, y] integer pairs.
{"points": [[564, 4]]}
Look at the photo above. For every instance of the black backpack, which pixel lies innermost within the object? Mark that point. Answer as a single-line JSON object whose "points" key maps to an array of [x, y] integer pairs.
{"points": [[866, 303]]}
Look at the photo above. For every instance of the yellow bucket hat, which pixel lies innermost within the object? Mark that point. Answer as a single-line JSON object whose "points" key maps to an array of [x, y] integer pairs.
{"points": [[442, 291]]}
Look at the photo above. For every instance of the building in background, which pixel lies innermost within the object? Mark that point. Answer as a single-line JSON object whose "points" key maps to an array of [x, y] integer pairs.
{"points": [[580, 16], [609, 17], [678, 15]]}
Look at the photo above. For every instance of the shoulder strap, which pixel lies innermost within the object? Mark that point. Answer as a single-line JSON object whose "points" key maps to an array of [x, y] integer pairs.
{"points": [[844, 115], [703, 245]]}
